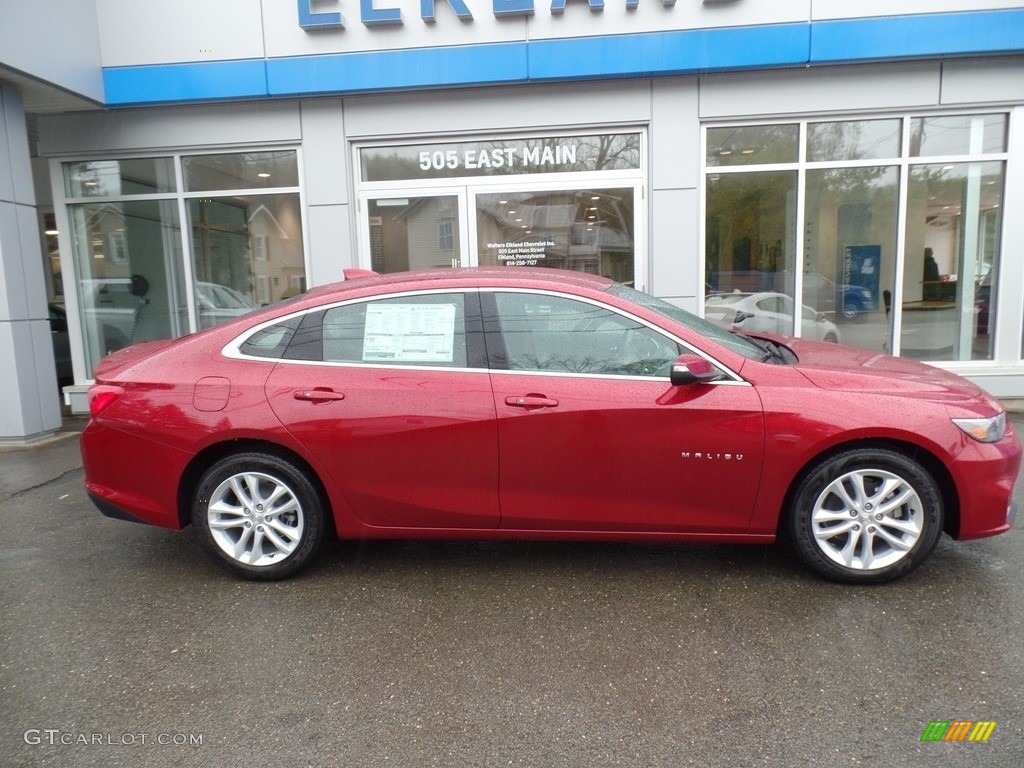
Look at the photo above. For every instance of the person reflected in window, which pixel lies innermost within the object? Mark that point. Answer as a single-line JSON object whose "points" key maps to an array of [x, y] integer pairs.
{"points": [[931, 289]]}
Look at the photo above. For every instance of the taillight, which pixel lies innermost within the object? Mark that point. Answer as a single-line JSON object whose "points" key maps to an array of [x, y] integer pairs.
{"points": [[102, 395]]}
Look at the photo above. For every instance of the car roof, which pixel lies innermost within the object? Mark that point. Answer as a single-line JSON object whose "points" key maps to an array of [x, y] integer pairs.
{"points": [[531, 277]]}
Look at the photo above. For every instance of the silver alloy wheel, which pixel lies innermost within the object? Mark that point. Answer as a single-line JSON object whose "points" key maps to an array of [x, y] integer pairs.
{"points": [[255, 518], [867, 519]]}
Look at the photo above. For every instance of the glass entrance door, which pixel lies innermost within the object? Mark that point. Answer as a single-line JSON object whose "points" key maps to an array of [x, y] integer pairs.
{"points": [[422, 231], [584, 230]]}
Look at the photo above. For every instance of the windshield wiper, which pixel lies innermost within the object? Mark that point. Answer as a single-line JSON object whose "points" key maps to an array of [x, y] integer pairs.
{"points": [[772, 351]]}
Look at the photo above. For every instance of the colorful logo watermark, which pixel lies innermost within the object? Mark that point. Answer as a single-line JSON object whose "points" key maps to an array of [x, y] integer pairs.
{"points": [[958, 730]]}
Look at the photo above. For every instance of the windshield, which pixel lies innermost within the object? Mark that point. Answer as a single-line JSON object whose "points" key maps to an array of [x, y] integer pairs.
{"points": [[739, 344]]}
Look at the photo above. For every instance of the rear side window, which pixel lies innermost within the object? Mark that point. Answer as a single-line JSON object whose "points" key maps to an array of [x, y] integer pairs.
{"points": [[403, 330], [270, 342]]}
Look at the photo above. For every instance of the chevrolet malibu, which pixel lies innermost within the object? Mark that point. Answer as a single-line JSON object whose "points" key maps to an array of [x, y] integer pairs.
{"points": [[538, 404]]}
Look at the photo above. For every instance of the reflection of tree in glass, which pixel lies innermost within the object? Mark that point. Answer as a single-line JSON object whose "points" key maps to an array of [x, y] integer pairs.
{"points": [[752, 145]]}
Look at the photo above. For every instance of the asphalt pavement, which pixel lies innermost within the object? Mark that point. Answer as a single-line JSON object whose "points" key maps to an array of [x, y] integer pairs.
{"points": [[123, 646]]}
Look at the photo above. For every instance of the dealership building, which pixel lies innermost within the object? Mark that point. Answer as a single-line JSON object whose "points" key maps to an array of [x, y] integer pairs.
{"points": [[166, 166]]}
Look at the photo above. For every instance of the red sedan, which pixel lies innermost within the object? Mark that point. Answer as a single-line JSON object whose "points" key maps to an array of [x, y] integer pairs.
{"points": [[538, 404]]}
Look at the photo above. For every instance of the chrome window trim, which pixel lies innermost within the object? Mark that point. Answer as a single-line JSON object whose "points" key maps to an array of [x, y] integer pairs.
{"points": [[232, 350]]}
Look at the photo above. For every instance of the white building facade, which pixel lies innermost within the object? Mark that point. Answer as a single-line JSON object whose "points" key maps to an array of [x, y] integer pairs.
{"points": [[174, 164]]}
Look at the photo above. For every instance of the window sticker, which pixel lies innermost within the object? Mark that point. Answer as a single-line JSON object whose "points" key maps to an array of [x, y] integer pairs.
{"points": [[404, 333]]}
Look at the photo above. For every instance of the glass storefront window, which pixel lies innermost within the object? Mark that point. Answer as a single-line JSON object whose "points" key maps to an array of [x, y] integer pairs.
{"points": [[853, 140], [129, 266], [957, 135], [246, 252], [241, 170], [587, 230], [750, 232], [130, 254], [867, 266], [752, 145], [116, 178], [951, 266], [850, 250]]}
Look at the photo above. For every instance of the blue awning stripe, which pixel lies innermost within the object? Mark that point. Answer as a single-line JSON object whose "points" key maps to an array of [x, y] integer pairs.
{"points": [[610, 56]]}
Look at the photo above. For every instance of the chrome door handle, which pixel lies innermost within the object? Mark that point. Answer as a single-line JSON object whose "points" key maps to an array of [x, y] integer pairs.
{"points": [[318, 395], [531, 402]]}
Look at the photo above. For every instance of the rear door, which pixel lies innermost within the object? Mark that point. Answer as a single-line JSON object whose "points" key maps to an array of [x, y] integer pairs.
{"points": [[393, 397], [593, 436]]}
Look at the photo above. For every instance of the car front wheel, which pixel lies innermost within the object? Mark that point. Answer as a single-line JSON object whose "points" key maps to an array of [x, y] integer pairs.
{"points": [[866, 516], [258, 516]]}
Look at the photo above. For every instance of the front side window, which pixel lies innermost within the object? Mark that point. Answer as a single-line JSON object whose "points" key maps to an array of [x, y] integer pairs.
{"points": [[560, 335]]}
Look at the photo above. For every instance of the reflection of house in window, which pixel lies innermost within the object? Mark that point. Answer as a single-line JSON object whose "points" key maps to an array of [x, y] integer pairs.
{"points": [[413, 233], [446, 235], [260, 247], [251, 244]]}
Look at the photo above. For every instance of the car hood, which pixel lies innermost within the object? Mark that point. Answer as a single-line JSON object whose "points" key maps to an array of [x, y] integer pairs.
{"points": [[849, 369]]}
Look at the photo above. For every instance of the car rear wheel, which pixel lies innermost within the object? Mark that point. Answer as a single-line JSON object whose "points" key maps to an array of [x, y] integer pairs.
{"points": [[866, 516], [258, 516]]}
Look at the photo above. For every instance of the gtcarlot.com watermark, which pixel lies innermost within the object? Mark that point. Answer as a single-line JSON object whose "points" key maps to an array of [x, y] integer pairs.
{"points": [[52, 737]]}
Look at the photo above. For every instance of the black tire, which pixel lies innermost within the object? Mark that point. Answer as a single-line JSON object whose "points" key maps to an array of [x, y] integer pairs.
{"points": [[866, 516], [258, 516]]}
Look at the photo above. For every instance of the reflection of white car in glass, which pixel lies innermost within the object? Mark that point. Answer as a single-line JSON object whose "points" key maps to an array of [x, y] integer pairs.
{"points": [[766, 312], [217, 303], [115, 303]]}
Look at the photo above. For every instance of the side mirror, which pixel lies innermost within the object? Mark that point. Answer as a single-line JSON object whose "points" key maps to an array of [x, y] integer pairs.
{"points": [[692, 369]]}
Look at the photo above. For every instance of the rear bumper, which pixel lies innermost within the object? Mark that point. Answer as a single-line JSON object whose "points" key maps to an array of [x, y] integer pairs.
{"points": [[130, 477], [112, 510]]}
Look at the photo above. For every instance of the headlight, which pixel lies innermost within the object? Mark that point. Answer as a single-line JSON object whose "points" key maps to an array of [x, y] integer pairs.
{"points": [[988, 430]]}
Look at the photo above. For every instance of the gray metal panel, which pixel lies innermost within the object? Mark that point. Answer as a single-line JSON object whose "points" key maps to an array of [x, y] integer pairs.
{"points": [[675, 134], [134, 32], [162, 128], [824, 89], [325, 152], [22, 286], [495, 109], [31, 401], [674, 247], [16, 177], [12, 269], [56, 41], [980, 81], [331, 242]]}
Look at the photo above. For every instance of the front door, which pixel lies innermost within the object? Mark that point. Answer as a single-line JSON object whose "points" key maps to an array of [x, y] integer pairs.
{"points": [[592, 435]]}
